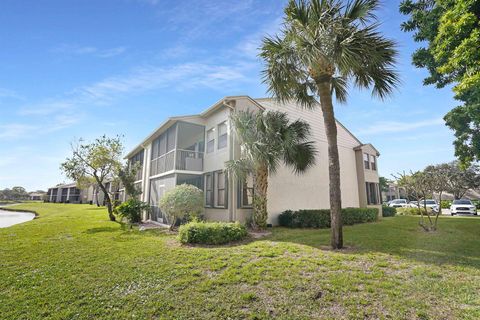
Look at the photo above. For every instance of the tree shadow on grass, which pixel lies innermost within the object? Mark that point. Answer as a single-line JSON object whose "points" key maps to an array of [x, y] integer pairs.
{"points": [[101, 230], [456, 242]]}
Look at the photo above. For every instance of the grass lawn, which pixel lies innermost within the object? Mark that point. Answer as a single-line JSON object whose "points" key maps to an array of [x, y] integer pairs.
{"points": [[72, 263]]}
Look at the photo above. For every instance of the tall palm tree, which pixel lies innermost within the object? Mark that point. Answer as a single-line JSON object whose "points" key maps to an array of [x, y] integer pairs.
{"points": [[325, 45], [268, 139]]}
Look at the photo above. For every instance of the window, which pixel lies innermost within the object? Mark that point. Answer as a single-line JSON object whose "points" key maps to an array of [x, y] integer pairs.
{"points": [[372, 193], [210, 140], [366, 160], [220, 189], [374, 163], [222, 135], [246, 193], [208, 190]]}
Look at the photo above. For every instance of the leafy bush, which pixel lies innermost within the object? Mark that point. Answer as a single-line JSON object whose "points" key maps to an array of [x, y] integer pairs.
{"points": [[132, 210], [446, 204], [412, 211], [321, 218], [476, 203], [211, 232], [182, 201], [389, 211]]}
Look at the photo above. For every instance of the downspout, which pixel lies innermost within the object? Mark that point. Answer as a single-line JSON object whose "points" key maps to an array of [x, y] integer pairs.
{"points": [[231, 188]]}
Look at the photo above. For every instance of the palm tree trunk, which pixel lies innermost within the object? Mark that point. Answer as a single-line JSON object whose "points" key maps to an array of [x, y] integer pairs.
{"points": [[260, 214], [324, 92]]}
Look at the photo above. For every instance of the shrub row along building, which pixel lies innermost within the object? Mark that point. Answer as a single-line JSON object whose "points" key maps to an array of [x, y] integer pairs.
{"points": [[193, 149]]}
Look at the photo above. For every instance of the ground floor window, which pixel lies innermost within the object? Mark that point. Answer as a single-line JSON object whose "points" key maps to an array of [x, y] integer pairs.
{"points": [[208, 189], [216, 194], [246, 192], [220, 189], [157, 189], [372, 193]]}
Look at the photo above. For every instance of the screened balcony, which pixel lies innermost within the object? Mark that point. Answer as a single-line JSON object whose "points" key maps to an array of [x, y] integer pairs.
{"points": [[181, 147]]}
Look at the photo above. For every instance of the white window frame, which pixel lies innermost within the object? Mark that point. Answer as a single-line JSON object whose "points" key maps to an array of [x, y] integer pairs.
{"points": [[212, 130], [221, 144], [366, 162]]}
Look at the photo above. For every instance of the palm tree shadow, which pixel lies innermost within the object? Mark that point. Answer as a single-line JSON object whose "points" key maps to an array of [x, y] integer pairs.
{"points": [[446, 247]]}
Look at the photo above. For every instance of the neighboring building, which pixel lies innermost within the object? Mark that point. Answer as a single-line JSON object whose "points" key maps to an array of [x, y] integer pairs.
{"points": [[37, 196], [69, 193], [394, 192], [193, 149]]}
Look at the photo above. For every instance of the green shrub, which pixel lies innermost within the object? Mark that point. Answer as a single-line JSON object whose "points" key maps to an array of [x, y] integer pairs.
{"points": [[211, 232], [321, 218], [476, 203], [132, 210], [446, 204], [185, 201], [389, 211], [412, 211]]}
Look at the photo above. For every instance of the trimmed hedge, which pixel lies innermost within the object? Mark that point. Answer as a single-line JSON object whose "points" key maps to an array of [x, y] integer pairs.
{"points": [[389, 211], [211, 232], [321, 218]]}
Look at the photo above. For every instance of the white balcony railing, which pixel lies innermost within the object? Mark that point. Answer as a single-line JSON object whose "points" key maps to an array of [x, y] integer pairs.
{"points": [[177, 159]]}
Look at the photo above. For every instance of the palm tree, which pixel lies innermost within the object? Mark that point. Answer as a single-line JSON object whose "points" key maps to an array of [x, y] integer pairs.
{"points": [[325, 45], [268, 139]]}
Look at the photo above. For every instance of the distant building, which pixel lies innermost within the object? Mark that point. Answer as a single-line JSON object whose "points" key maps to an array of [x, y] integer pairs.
{"points": [[70, 193], [36, 196], [394, 192]]}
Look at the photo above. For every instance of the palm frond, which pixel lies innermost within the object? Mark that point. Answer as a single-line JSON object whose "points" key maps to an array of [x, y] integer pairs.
{"points": [[361, 10]]}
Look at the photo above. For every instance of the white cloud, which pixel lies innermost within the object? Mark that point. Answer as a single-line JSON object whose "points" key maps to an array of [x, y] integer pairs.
{"points": [[396, 126], [75, 49], [15, 130]]}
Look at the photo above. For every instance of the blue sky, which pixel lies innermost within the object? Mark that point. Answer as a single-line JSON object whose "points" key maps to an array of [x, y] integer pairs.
{"points": [[71, 69]]}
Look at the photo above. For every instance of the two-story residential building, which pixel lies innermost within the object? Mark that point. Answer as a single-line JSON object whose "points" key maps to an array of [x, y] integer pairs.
{"points": [[71, 193], [193, 149]]}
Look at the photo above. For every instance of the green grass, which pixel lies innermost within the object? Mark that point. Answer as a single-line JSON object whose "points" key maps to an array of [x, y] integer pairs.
{"points": [[72, 263]]}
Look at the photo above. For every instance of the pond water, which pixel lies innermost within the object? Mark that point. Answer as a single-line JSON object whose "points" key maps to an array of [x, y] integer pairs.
{"points": [[9, 218]]}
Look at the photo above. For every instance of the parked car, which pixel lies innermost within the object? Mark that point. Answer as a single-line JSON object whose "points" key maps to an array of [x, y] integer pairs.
{"points": [[429, 203], [398, 203], [413, 204], [463, 206]]}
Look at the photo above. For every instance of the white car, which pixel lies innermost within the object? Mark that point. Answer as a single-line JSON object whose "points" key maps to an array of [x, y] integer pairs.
{"points": [[429, 203], [398, 203], [463, 206]]}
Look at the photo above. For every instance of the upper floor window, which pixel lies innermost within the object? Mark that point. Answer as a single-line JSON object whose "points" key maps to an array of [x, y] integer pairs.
{"points": [[374, 163], [210, 140], [222, 135], [366, 160]]}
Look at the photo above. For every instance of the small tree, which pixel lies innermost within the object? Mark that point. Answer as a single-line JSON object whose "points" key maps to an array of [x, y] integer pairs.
{"points": [[132, 210], [438, 176], [127, 175], [133, 207], [99, 160], [182, 201], [461, 180]]}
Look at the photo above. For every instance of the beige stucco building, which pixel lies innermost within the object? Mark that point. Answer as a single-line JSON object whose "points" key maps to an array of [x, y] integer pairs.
{"points": [[193, 149]]}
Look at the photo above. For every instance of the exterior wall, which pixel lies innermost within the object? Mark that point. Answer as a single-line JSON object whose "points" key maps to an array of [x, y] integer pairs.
{"points": [[367, 175], [310, 190], [215, 161]]}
